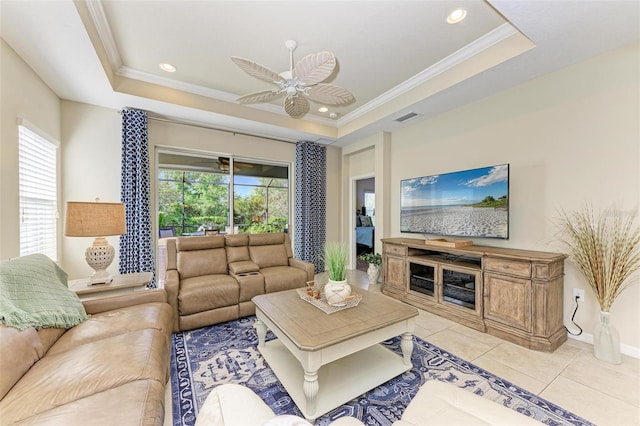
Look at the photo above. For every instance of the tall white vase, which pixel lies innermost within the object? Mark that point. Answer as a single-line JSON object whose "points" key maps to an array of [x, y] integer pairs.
{"points": [[335, 292], [606, 341]]}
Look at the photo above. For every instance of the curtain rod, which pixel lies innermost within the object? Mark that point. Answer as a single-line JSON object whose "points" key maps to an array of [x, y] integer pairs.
{"points": [[203, 126]]}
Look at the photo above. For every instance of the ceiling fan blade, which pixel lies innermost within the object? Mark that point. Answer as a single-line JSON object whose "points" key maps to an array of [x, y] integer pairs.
{"points": [[296, 106], [257, 70], [263, 96], [314, 68], [329, 94]]}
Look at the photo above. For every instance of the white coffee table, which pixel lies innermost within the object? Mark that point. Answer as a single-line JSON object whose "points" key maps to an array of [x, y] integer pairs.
{"points": [[324, 360]]}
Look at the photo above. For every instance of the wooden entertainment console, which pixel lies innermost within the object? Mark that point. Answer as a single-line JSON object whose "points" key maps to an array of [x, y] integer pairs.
{"points": [[514, 294]]}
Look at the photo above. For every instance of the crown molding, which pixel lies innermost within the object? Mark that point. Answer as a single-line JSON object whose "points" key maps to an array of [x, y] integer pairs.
{"points": [[195, 89], [104, 32], [477, 46]]}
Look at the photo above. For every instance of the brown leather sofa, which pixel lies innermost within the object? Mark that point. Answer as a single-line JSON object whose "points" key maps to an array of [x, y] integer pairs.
{"points": [[212, 279], [111, 369]]}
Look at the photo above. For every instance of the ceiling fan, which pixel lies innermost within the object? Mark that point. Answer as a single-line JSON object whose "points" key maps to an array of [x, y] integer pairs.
{"points": [[299, 83]]}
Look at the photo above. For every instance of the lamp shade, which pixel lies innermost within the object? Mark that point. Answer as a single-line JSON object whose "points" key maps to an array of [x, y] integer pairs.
{"points": [[94, 219]]}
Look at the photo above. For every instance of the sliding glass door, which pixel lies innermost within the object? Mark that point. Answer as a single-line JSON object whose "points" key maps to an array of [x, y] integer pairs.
{"points": [[197, 193]]}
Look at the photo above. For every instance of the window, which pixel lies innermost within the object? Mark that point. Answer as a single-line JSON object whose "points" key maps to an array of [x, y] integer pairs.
{"points": [[370, 204], [197, 194], [261, 197], [37, 165], [191, 202]]}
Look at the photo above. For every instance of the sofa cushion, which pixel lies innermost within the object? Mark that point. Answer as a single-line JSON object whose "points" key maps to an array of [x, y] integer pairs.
{"points": [[238, 254], [49, 336], [269, 255], [138, 317], [206, 292], [20, 349], [266, 239], [243, 267], [200, 243], [86, 370], [237, 240], [237, 247], [279, 278], [139, 402], [195, 263]]}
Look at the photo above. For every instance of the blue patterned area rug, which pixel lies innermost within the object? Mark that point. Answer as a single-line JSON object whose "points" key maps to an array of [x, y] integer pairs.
{"points": [[227, 353]]}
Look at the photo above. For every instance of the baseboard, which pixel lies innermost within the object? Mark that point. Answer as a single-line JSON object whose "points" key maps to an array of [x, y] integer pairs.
{"points": [[629, 350]]}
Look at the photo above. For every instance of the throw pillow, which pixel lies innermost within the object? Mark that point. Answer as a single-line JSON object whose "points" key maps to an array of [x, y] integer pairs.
{"points": [[34, 293]]}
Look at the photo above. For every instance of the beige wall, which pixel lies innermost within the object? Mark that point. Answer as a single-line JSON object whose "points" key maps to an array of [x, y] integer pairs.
{"points": [[569, 137], [23, 95], [369, 157], [90, 170], [334, 199]]}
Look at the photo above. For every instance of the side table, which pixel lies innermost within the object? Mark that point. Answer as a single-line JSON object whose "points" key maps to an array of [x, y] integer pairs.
{"points": [[121, 284]]}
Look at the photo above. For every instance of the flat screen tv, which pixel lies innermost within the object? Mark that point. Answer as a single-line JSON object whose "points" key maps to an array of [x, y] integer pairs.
{"points": [[469, 203]]}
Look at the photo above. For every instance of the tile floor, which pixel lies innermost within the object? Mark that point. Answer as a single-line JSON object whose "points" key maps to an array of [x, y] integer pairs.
{"points": [[569, 377]]}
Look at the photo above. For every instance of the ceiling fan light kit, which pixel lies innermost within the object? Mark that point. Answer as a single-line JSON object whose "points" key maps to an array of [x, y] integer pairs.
{"points": [[302, 81]]}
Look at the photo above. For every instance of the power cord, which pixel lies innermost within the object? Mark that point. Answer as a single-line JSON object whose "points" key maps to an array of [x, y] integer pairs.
{"points": [[574, 323]]}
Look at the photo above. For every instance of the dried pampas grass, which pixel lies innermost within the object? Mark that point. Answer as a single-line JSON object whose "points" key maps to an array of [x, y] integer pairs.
{"points": [[605, 247]]}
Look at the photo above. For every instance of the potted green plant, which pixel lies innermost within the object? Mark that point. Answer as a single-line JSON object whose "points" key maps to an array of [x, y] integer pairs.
{"points": [[335, 259], [375, 261], [605, 248]]}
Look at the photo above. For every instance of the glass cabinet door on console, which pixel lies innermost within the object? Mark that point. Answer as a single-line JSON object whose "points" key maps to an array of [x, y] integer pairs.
{"points": [[459, 287], [422, 279]]}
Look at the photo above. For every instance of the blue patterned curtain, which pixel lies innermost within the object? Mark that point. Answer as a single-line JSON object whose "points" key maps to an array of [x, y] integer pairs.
{"points": [[136, 246], [311, 189]]}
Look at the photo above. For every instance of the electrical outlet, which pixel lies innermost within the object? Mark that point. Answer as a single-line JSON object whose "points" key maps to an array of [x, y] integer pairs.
{"points": [[579, 293]]}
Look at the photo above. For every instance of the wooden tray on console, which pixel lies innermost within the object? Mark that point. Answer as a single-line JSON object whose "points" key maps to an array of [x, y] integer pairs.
{"points": [[442, 242]]}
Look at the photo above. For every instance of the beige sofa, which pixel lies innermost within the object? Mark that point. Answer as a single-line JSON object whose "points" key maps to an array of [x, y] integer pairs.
{"points": [[211, 279], [111, 369], [436, 403]]}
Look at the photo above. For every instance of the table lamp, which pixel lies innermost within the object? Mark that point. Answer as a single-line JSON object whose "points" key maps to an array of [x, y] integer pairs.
{"points": [[96, 219]]}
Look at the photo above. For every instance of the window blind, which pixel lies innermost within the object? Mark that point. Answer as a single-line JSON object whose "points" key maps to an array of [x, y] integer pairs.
{"points": [[37, 164]]}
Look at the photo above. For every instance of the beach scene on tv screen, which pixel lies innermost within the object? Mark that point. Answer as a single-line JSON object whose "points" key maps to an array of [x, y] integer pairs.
{"points": [[472, 203]]}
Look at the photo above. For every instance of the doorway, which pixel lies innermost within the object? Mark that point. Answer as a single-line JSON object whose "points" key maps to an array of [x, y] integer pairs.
{"points": [[365, 219]]}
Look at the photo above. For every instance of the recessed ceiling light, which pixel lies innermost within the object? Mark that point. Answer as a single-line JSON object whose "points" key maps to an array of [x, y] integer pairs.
{"points": [[323, 109], [167, 68], [456, 16], [333, 115]]}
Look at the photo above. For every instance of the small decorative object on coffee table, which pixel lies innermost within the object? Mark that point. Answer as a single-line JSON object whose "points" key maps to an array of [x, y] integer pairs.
{"points": [[335, 258], [318, 300]]}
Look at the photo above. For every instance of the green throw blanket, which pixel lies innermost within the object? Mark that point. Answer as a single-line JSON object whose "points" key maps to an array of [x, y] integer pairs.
{"points": [[34, 293]]}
